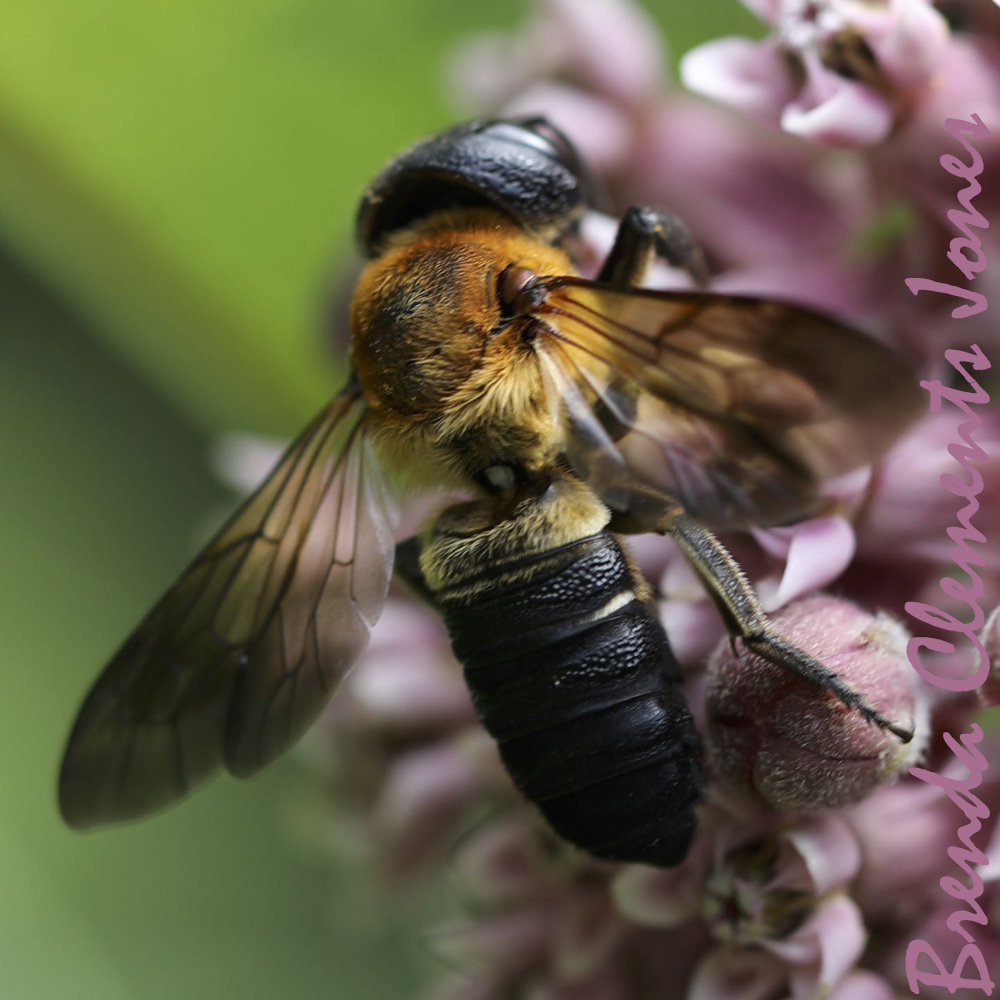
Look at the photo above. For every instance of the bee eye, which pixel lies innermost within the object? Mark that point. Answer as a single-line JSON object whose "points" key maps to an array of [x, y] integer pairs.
{"points": [[515, 290]]}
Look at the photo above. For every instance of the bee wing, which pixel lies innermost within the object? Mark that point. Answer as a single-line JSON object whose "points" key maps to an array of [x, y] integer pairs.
{"points": [[736, 406], [241, 654]]}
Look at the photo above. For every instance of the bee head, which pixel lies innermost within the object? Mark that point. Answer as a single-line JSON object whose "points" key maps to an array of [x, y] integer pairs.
{"points": [[428, 311], [421, 326]]}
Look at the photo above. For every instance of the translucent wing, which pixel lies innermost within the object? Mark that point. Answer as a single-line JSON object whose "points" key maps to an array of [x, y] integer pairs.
{"points": [[738, 407], [240, 655]]}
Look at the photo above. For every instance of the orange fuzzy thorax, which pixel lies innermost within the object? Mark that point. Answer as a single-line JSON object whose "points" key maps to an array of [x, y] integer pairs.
{"points": [[436, 361]]}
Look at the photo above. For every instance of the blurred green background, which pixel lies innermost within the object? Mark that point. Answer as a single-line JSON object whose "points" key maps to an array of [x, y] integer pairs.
{"points": [[177, 184]]}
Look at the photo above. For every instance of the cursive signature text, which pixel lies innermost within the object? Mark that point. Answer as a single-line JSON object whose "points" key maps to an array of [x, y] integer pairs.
{"points": [[966, 253]]}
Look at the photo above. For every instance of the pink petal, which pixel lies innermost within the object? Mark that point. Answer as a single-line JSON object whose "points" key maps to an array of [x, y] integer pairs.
{"points": [[990, 639], [737, 974], [909, 511], [776, 542], [908, 37], [854, 116], [653, 553], [991, 899], [824, 949], [693, 628], [679, 582], [894, 872], [487, 70], [612, 46], [846, 489], [495, 863], [607, 984], [594, 241], [748, 195], [596, 238], [946, 943], [828, 850], [422, 798], [658, 897], [748, 76], [414, 692], [510, 943], [766, 10], [405, 626], [819, 551], [587, 932], [829, 285], [458, 986], [863, 985]]}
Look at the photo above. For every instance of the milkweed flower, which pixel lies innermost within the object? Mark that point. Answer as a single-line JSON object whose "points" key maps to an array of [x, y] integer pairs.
{"points": [[880, 79], [792, 888], [592, 60], [835, 72], [899, 516]]}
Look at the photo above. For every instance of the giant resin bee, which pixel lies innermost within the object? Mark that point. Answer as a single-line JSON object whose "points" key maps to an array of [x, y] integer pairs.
{"points": [[573, 411]]}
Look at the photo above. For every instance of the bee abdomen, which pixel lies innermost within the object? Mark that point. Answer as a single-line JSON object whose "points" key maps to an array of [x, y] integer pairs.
{"points": [[588, 712]]}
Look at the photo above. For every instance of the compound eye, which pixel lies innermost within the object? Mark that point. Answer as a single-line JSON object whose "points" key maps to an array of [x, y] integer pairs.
{"points": [[516, 291], [539, 133]]}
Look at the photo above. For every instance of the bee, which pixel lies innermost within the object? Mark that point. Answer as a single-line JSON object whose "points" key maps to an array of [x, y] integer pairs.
{"points": [[573, 411]]}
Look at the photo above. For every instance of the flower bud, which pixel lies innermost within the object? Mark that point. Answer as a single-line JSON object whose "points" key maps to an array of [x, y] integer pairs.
{"points": [[793, 745]]}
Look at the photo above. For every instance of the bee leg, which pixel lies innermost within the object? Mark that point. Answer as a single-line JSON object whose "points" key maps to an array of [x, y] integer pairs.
{"points": [[407, 567], [740, 608], [645, 234]]}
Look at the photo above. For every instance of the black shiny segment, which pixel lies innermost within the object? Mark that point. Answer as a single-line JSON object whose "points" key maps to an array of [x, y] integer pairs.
{"points": [[617, 658], [644, 817], [524, 168], [508, 619], [598, 746]]}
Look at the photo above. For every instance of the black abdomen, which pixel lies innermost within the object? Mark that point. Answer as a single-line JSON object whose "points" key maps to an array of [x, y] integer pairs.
{"points": [[574, 678]]}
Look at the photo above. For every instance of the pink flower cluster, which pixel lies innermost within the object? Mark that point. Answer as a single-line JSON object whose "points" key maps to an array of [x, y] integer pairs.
{"points": [[808, 169]]}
